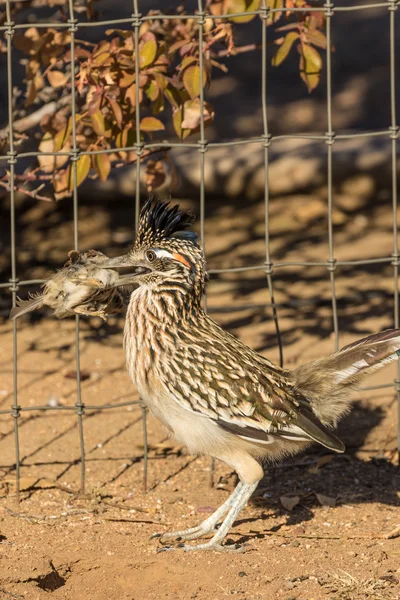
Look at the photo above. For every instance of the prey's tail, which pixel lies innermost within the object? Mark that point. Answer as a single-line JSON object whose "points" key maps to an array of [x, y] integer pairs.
{"points": [[25, 306], [328, 383]]}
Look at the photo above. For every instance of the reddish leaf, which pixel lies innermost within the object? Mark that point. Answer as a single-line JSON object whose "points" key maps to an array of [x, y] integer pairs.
{"points": [[127, 79]]}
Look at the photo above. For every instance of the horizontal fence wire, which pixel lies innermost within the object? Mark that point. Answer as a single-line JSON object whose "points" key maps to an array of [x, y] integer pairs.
{"points": [[269, 266]]}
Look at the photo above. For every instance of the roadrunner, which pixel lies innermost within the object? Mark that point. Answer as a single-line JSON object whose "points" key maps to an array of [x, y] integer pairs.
{"points": [[214, 394]]}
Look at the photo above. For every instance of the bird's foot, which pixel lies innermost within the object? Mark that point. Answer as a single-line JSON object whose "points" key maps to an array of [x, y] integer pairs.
{"points": [[187, 534], [215, 546]]}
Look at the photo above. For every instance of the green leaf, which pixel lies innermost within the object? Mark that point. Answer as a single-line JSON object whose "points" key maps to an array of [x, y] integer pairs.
{"points": [[284, 48], [310, 66], [147, 53], [102, 165], [151, 124], [242, 6]]}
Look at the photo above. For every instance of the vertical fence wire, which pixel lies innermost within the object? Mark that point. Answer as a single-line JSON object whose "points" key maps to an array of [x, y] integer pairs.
{"points": [[80, 406], [139, 150], [12, 160], [267, 142], [202, 159], [394, 132], [330, 138]]}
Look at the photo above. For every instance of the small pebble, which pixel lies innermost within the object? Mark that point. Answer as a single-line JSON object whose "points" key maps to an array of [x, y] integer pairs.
{"points": [[242, 574]]}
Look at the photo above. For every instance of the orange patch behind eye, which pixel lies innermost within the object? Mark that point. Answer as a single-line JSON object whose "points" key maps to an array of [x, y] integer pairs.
{"points": [[181, 259]]}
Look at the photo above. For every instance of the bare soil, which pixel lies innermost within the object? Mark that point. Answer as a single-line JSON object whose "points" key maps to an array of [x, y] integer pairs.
{"points": [[339, 539]]}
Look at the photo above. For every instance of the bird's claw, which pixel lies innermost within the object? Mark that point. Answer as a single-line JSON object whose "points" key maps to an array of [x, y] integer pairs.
{"points": [[208, 546]]}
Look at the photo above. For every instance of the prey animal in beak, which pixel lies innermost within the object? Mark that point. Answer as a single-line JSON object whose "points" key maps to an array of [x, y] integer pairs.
{"points": [[83, 286]]}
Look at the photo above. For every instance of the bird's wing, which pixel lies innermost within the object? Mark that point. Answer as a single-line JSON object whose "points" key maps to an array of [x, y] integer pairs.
{"points": [[25, 306], [244, 395]]}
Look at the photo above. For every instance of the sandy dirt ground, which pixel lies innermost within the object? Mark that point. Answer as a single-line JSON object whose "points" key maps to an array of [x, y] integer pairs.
{"points": [[319, 526]]}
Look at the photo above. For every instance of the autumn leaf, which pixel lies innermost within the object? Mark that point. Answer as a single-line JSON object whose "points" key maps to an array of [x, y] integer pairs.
{"points": [[127, 137], [98, 122], [191, 80], [152, 90], [316, 37], [147, 53], [102, 165], [285, 48], [117, 110], [242, 6], [56, 79], [82, 171], [151, 124], [274, 16], [310, 66], [177, 118], [49, 163], [192, 114]]}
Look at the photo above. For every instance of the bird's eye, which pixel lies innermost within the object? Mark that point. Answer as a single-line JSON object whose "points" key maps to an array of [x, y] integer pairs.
{"points": [[151, 255]]}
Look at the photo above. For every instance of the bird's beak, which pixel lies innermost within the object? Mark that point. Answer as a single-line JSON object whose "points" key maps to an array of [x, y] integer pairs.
{"points": [[125, 262]]}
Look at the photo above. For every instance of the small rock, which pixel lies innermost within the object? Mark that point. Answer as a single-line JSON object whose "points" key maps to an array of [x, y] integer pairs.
{"points": [[242, 574]]}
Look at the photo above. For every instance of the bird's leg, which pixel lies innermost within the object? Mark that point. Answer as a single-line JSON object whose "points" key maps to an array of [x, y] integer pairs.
{"points": [[206, 526], [83, 309], [240, 500]]}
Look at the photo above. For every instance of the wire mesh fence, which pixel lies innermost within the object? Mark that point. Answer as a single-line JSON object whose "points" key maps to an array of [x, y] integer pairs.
{"points": [[270, 267]]}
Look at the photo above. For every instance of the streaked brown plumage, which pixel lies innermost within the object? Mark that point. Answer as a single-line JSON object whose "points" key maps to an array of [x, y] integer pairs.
{"points": [[214, 394]]}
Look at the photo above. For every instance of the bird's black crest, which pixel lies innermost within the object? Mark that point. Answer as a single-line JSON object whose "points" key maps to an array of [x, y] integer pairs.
{"points": [[159, 221]]}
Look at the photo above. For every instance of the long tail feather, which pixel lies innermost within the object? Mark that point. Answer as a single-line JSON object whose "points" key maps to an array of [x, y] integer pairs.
{"points": [[328, 382], [25, 306]]}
